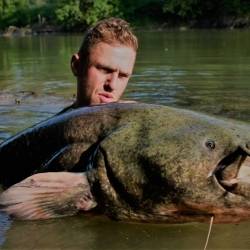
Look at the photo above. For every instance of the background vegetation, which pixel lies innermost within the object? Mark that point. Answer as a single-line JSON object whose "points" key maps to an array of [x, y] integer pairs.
{"points": [[72, 15]]}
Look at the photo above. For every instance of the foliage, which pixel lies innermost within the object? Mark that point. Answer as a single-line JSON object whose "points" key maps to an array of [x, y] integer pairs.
{"points": [[72, 14], [192, 9], [69, 15], [181, 8], [18, 12], [94, 10]]}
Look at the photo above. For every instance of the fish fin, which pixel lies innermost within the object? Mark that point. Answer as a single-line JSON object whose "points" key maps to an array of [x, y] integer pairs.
{"points": [[48, 195], [75, 157], [65, 158]]}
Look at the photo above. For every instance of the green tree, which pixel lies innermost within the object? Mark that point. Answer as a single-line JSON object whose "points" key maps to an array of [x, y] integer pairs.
{"points": [[69, 15], [94, 10], [209, 9], [77, 14], [184, 9]]}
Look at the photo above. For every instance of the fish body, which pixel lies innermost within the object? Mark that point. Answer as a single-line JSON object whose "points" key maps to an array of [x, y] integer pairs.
{"points": [[137, 162]]}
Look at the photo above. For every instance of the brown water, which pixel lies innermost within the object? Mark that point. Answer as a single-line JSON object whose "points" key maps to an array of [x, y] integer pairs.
{"points": [[208, 71]]}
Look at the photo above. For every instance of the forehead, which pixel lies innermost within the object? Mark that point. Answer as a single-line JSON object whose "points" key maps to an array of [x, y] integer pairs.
{"points": [[116, 56]]}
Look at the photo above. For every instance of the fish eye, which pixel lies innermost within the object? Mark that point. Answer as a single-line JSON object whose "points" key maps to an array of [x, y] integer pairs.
{"points": [[210, 144]]}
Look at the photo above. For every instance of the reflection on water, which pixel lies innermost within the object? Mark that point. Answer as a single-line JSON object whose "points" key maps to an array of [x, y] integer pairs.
{"points": [[18, 112], [96, 233], [5, 223], [208, 71], [202, 70]]}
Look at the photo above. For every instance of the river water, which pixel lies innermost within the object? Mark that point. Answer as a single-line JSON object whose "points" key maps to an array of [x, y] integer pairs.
{"points": [[203, 70]]}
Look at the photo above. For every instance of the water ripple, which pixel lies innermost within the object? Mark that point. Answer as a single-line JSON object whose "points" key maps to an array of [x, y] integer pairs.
{"points": [[5, 223]]}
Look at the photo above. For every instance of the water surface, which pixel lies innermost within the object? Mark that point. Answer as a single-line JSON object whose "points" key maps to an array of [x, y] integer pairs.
{"points": [[207, 71]]}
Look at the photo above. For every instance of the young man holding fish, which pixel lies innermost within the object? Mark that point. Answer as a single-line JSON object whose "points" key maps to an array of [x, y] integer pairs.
{"points": [[102, 67], [104, 63]]}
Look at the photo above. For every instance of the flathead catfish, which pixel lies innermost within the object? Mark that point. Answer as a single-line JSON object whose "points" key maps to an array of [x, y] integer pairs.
{"points": [[135, 162]]}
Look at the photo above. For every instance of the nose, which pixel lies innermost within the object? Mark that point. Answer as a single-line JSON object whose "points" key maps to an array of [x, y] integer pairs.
{"points": [[111, 81]]}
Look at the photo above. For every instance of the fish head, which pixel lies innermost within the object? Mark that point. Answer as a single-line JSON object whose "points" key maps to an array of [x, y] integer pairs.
{"points": [[192, 169], [204, 166]]}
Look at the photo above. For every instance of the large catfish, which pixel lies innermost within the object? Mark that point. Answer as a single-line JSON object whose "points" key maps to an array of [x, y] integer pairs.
{"points": [[133, 161]]}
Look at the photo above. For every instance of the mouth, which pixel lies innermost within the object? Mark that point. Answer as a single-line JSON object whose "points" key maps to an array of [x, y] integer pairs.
{"points": [[232, 173], [106, 97]]}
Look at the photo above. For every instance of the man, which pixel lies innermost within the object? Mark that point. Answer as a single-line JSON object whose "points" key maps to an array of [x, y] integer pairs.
{"points": [[102, 67], [104, 63]]}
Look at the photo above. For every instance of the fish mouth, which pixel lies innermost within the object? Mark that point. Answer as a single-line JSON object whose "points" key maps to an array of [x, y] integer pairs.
{"points": [[232, 173]]}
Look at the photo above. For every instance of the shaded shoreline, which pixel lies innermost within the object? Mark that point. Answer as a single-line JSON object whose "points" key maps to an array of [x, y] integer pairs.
{"points": [[224, 23]]}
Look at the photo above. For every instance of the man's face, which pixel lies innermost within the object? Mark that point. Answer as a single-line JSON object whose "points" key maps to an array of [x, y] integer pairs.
{"points": [[107, 74]]}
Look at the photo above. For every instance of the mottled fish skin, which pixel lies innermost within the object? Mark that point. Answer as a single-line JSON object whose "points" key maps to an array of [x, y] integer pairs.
{"points": [[143, 162], [43, 147]]}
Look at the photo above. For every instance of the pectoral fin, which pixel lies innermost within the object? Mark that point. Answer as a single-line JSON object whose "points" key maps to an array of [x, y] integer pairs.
{"points": [[48, 195], [76, 157], [65, 158]]}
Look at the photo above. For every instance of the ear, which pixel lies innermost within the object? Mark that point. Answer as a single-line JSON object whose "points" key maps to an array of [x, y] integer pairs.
{"points": [[75, 64]]}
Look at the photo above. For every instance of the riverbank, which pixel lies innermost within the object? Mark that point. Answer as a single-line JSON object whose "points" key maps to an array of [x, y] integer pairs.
{"points": [[223, 23], [27, 31]]}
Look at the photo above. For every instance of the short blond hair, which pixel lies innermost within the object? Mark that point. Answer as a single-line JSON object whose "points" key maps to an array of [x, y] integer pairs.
{"points": [[112, 31]]}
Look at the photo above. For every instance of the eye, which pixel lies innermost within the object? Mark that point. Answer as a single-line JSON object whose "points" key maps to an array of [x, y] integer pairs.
{"points": [[104, 69], [210, 144], [123, 75]]}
